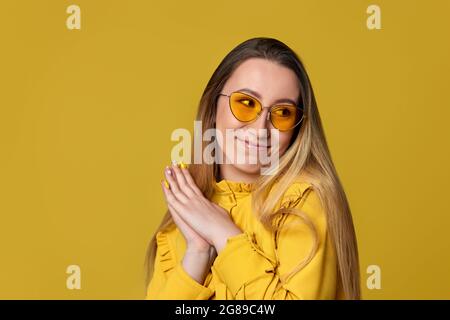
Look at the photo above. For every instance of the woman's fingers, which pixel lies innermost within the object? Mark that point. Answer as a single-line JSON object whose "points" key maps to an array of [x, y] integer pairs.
{"points": [[174, 186], [174, 214], [183, 184], [171, 203], [190, 235], [190, 181], [171, 199]]}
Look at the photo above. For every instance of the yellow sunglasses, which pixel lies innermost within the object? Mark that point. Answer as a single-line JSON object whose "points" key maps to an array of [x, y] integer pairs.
{"points": [[247, 108]]}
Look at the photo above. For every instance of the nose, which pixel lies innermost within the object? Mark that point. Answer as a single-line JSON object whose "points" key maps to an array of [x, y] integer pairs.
{"points": [[260, 123], [263, 120]]}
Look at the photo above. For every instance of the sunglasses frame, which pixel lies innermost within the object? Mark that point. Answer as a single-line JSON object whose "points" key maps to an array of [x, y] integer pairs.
{"points": [[269, 114]]}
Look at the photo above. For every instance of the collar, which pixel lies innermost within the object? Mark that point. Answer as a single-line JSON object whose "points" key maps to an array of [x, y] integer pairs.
{"points": [[228, 186]]}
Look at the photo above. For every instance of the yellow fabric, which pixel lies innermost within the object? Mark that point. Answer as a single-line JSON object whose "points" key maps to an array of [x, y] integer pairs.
{"points": [[249, 267]]}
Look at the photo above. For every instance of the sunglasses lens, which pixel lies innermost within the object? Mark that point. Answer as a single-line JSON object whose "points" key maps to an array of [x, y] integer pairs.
{"points": [[244, 107], [285, 117]]}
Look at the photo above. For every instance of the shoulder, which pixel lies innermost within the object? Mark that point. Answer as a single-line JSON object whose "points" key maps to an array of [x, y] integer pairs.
{"points": [[303, 197], [295, 193], [298, 188]]}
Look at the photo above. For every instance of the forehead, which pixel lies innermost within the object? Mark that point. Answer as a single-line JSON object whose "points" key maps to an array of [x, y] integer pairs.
{"points": [[271, 80]]}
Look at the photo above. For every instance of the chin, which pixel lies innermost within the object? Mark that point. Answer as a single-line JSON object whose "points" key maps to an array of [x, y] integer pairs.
{"points": [[248, 168]]}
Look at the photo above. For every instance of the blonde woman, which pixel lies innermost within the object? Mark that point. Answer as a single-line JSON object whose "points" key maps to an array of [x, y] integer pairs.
{"points": [[231, 232]]}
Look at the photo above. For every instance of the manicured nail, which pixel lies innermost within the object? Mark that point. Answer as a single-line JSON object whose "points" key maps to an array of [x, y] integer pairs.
{"points": [[183, 165], [168, 170], [166, 184]]}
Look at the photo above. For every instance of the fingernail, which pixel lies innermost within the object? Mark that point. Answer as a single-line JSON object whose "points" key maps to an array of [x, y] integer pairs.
{"points": [[183, 165], [166, 184], [168, 170]]}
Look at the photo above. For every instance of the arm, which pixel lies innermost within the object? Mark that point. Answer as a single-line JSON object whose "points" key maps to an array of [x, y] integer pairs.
{"points": [[171, 281], [248, 274], [184, 279], [198, 262]]}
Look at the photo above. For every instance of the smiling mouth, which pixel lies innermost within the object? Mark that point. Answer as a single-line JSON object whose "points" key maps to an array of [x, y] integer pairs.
{"points": [[249, 144]]}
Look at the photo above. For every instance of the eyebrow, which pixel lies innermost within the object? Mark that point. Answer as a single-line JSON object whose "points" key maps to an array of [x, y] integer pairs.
{"points": [[257, 95]]}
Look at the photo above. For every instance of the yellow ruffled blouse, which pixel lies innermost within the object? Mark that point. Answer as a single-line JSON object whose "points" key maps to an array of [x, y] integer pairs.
{"points": [[250, 265]]}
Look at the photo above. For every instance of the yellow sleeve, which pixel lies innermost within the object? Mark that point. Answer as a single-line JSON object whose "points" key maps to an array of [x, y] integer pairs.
{"points": [[170, 281], [249, 274]]}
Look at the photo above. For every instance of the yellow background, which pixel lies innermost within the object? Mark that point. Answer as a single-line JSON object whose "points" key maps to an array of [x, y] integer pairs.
{"points": [[86, 117]]}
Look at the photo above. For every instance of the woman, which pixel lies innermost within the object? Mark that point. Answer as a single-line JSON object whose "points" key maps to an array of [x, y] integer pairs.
{"points": [[234, 233]]}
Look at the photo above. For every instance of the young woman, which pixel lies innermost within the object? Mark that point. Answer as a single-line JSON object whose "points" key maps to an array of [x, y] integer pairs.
{"points": [[231, 232]]}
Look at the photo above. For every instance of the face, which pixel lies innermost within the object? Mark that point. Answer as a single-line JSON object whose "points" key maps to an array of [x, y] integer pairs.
{"points": [[270, 83]]}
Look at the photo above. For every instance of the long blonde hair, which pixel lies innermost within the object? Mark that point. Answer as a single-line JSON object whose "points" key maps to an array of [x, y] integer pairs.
{"points": [[308, 156]]}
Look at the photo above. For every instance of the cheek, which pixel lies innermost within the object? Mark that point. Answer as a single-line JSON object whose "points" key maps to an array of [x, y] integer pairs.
{"points": [[225, 119], [285, 139]]}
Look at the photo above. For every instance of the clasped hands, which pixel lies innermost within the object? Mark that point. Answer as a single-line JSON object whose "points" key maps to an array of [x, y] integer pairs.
{"points": [[203, 223]]}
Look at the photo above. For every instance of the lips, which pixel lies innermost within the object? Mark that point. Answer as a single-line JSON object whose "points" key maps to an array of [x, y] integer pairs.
{"points": [[253, 144]]}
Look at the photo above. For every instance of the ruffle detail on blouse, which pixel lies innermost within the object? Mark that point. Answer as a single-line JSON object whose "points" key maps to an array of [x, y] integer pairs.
{"points": [[295, 193], [228, 186], [165, 256]]}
